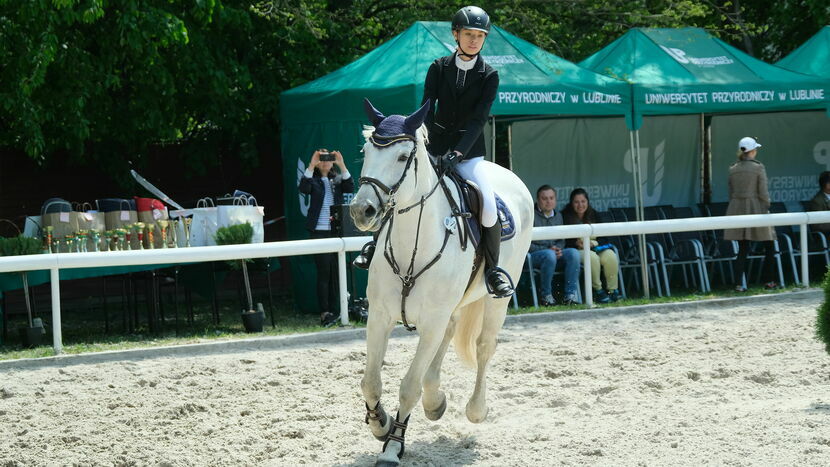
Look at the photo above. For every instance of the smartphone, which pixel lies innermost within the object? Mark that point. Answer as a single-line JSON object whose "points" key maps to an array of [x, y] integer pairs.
{"points": [[326, 157]]}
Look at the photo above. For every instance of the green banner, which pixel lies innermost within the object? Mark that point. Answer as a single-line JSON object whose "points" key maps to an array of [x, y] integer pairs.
{"points": [[795, 149], [594, 154]]}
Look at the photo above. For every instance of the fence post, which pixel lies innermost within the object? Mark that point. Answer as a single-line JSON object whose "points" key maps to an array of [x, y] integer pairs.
{"points": [[586, 264], [57, 339], [344, 286], [805, 258]]}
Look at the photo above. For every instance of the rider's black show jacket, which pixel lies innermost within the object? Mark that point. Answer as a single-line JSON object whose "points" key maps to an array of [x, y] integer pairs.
{"points": [[456, 121]]}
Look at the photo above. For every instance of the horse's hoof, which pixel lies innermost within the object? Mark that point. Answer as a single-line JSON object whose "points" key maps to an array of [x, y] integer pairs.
{"points": [[385, 463], [439, 412], [476, 418], [388, 459]]}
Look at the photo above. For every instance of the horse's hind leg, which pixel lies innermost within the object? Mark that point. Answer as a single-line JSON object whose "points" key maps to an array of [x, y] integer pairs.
{"points": [[377, 338], [494, 314], [434, 400]]}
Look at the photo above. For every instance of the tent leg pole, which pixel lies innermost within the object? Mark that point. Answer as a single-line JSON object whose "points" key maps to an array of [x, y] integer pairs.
{"points": [[641, 210], [635, 171]]}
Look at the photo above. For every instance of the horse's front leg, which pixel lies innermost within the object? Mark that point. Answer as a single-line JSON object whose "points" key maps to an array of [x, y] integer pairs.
{"points": [[434, 400], [378, 328], [432, 335]]}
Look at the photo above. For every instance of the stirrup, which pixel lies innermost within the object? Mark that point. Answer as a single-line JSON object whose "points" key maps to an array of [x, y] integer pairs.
{"points": [[364, 259], [493, 274]]}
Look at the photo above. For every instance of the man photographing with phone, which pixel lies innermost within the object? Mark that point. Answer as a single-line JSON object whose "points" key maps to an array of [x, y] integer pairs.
{"points": [[325, 187]]}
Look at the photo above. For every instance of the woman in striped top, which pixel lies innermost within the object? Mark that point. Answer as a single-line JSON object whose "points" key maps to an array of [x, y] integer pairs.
{"points": [[326, 188]]}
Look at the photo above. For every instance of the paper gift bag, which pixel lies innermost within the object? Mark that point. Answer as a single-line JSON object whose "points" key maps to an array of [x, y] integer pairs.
{"points": [[203, 228], [57, 213], [150, 212], [91, 220], [202, 220], [120, 214], [244, 209]]}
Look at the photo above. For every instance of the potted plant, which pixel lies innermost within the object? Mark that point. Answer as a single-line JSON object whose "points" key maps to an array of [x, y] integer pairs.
{"points": [[20, 245], [234, 235]]}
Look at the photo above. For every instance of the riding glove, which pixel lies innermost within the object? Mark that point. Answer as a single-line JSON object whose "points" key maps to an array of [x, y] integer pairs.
{"points": [[447, 162]]}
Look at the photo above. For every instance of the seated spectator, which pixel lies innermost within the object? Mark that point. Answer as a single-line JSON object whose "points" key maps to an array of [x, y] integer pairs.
{"points": [[548, 254], [821, 201], [579, 211]]}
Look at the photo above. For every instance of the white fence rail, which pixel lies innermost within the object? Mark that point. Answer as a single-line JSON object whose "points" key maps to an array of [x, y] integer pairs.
{"points": [[57, 261]]}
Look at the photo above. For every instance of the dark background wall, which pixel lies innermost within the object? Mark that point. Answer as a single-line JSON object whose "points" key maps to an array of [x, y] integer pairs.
{"points": [[25, 185]]}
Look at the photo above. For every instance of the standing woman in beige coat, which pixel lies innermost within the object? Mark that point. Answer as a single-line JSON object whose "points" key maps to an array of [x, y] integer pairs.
{"points": [[748, 195]]}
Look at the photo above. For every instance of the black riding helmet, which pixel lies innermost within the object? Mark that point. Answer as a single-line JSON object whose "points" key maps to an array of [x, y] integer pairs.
{"points": [[471, 17]]}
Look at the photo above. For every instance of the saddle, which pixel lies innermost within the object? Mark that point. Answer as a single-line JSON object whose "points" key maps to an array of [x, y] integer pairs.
{"points": [[471, 203]]}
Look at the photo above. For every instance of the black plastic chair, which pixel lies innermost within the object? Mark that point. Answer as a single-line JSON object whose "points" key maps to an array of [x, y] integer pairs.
{"points": [[685, 249], [628, 252]]}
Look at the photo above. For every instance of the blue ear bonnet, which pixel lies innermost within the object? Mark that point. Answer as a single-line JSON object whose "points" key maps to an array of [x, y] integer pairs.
{"points": [[394, 125], [394, 128]]}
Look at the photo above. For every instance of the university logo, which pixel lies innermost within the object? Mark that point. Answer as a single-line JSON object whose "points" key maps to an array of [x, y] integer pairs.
{"points": [[821, 153], [652, 170], [682, 57], [305, 200]]}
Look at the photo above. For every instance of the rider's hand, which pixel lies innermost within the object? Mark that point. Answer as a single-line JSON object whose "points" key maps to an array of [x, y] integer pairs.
{"points": [[447, 162]]}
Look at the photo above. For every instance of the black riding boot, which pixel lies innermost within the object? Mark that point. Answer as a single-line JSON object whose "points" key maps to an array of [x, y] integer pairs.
{"points": [[498, 282], [365, 257]]}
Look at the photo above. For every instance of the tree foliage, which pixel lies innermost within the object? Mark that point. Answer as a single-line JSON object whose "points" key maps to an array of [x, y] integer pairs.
{"points": [[101, 81]]}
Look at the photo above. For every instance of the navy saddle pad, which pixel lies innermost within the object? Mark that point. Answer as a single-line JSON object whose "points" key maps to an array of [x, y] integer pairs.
{"points": [[471, 202]]}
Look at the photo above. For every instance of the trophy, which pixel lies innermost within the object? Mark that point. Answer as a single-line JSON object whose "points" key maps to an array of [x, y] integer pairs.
{"points": [[174, 232], [119, 238], [96, 239], [129, 237], [151, 241], [109, 245], [83, 236], [187, 223], [139, 230], [47, 238], [163, 224], [69, 239]]}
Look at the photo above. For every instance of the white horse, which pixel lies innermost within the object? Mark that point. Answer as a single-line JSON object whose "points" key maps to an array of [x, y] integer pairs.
{"points": [[420, 275]]}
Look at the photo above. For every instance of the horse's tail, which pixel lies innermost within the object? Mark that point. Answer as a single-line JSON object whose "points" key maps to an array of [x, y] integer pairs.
{"points": [[467, 330]]}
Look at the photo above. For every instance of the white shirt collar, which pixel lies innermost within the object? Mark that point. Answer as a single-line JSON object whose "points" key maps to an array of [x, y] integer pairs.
{"points": [[465, 66]]}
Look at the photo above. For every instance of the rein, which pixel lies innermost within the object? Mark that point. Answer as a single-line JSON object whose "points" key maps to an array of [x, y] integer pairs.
{"points": [[388, 212]]}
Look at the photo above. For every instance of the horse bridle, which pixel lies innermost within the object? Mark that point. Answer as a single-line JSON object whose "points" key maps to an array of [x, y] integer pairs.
{"points": [[377, 185], [388, 210]]}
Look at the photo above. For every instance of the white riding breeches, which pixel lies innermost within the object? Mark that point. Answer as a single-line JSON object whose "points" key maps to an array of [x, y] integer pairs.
{"points": [[474, 169]]}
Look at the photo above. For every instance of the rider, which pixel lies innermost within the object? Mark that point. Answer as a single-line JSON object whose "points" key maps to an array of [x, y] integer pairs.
{"points": [[464, 88]]}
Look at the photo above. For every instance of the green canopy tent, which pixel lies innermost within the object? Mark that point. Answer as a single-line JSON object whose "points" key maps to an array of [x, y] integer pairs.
{"points": [[812, 58], [688, 71], [328, 112]]}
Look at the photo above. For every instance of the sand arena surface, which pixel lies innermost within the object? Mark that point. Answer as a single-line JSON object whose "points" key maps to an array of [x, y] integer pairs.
{"points": [[745, 385]]}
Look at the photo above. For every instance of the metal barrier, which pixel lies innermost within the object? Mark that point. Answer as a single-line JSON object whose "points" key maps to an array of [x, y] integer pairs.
{"points": [[57, 261]]}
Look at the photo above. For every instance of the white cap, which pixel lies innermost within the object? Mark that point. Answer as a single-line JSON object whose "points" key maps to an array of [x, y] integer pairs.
{"points": [[747, 144]]}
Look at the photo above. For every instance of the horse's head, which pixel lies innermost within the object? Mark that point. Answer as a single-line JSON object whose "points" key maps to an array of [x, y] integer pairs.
{"points": [[390, 165]]}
